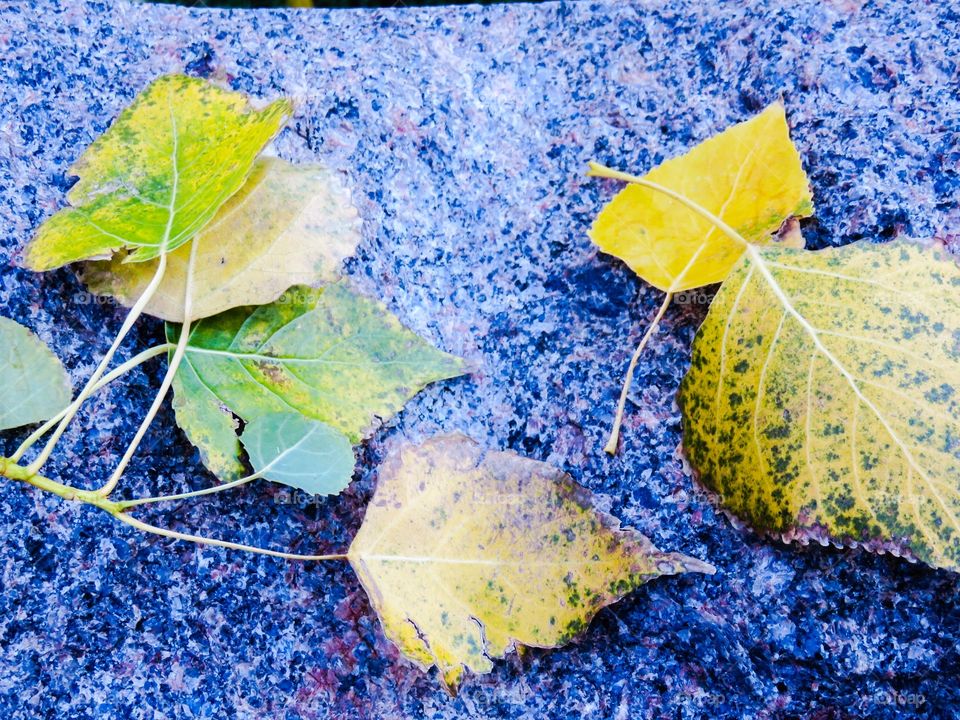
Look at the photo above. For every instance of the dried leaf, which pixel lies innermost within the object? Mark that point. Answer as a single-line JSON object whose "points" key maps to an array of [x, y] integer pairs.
{"points": [[159, 174], [34, 385], [465, 554], [822, 397], [328, 354], [294, 450], [288, 225], [749, 176]]}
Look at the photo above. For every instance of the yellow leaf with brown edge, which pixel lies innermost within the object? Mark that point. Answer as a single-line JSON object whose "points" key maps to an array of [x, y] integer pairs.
{"points": [[288, 225], [749, 176], [466, 554]]}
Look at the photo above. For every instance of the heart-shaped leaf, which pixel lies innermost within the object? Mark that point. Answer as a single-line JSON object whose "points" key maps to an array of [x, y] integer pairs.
{"points": [[466, 554], [159, 174], [300, 452], [288, 225], [34, 385], [822, 400], [749, 176], [328, 354]]}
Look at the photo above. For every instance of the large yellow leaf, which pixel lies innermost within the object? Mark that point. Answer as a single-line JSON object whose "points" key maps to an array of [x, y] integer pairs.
{"points": [[466, 554], [749, 176], [288, 225], [822, 400], [159, 174]]}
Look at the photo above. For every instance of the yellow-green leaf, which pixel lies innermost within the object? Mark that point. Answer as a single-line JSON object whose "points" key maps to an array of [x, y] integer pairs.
{"points": [[288, 225], [822, 400], [466, 554], [34, 385], [159, 174], [749, 176], [328, 354]]}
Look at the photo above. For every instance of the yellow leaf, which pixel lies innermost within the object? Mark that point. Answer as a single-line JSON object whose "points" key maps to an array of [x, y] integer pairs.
{"points": [[159, 174], [288, 225], [822, 400], [466, 553], [749, 176]]}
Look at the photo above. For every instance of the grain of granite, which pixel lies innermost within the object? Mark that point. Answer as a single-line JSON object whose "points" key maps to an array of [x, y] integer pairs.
{"points": [[464, 133]]}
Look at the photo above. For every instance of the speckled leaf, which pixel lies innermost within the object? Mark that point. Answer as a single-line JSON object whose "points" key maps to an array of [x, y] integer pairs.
{"points": [[288, 225], [466, 554], [159, 174], [300, 452], [749, 175], [822, 398], [328, 354], [34, 386]]}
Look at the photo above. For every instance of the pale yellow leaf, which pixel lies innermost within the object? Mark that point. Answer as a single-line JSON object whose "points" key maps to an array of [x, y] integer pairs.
{"points": [[288, 225]]}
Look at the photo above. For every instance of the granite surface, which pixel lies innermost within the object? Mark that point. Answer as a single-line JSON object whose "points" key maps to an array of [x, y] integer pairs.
{"points": [[464, 134]]}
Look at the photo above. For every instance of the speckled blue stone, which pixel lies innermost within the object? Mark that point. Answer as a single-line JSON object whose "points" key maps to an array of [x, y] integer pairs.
{"points": [[464, 133]]}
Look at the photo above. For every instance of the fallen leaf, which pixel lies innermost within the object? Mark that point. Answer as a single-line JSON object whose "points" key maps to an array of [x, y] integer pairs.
{"points": [[288, 225], [328, 354], [749, 176], [159, 174], [822, 397], [34, 385], [300, 452], [467, 553]]}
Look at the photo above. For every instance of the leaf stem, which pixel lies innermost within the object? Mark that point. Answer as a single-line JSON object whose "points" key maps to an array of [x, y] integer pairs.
{"points": [[88, 389], [598, 170], [140, 525], [104, 381], [611, 446], [126, 504], [178, 353], [10, 469]]}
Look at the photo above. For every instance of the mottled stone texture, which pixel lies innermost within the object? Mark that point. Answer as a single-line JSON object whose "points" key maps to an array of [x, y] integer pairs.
{"points": [[464, 133]]}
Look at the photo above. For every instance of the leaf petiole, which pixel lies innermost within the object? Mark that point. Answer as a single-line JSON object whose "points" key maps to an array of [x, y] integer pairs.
{"points": [[598, 170], [611, 446], [121, 370], [178, 353], [146, 527], [12, 470], [88, 389], [126, 504]]}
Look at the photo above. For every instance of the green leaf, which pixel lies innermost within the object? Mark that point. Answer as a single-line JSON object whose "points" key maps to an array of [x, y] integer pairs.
{"points": [[294, 450], [288, 225], [328, 354], [159, 174], [822, 400], [34, 386], [466, 554]]}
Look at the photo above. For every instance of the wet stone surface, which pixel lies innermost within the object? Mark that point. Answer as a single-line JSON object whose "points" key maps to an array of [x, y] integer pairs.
{"points": [[464, 135]]}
